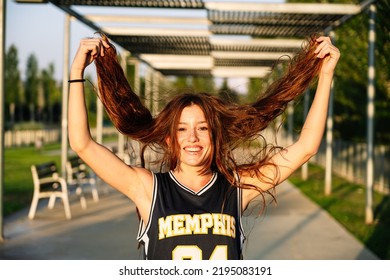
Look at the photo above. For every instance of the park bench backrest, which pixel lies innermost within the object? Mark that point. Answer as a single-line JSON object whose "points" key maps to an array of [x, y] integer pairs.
{"points": [[75, 168], [46, 170], [42, 171]]}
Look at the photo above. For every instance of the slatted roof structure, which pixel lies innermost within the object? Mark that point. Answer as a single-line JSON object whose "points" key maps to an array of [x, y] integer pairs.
{"points": [[229, 39]]}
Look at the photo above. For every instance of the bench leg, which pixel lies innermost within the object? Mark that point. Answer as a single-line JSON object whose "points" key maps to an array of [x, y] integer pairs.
{"points": [[83, 201], [65, 201], [95, 194], [33, 207], [52, 201]]}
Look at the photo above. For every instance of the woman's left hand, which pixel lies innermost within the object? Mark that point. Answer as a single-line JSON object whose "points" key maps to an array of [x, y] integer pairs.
{"points": [[329, 53]]}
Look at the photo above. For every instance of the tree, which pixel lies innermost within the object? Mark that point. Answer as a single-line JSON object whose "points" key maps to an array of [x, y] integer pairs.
{"points": [[227, 93], [351, 80], [203, 84], [350, 99], [51, 93], [12, 84], [32, 84], [181, 83], [382, 57], [254, 89], [91, 100]]}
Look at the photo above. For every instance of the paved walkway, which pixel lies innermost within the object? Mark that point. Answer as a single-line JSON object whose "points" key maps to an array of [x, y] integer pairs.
{"points": [[295, 229]]}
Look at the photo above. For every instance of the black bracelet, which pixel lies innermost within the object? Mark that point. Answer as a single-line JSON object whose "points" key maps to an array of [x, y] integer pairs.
{"points": [[76, 81]]}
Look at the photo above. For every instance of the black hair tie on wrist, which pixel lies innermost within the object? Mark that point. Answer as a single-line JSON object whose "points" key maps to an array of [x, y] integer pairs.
{"points": [[76, 81]]}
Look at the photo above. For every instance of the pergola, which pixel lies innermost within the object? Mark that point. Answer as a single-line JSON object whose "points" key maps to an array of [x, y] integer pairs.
{"points": [[206, 38], [229, 39]]}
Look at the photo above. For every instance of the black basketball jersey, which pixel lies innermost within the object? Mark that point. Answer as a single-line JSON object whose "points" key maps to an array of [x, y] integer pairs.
{"points": [[184, 224]]}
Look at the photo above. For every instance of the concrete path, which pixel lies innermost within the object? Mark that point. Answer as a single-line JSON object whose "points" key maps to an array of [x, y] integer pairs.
{"points": [[295, 229]]}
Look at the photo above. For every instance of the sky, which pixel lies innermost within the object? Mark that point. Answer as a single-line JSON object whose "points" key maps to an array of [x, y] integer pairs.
{"points": [[38, 29]]}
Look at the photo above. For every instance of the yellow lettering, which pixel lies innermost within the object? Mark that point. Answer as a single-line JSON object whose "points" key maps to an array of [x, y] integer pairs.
{"points": [[207, 222], [233, 227], [164, 227], [178, 224], [186, 224], [192, 224], [219, 224]]}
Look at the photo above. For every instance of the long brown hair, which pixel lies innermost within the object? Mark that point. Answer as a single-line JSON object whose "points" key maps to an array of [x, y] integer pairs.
{"points": [[231, 124]]}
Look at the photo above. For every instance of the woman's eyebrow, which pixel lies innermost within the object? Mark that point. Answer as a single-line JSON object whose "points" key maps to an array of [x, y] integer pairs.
{"points": [[200, 122]]}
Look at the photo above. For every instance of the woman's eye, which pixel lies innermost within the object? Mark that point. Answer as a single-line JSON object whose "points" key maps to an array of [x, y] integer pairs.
{"points": [[181, 129], [204, 128]]}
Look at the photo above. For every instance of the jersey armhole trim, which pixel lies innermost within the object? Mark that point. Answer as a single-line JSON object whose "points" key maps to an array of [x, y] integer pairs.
{"points": [[240, 213], [143, 228]]}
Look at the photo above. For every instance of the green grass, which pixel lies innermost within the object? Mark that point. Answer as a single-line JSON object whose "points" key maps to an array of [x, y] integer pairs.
{"points": [[18, 184], [346, 204]]}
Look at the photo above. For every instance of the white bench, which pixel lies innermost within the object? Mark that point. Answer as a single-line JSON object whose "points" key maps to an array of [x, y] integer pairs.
{"points": [[79, 174], [48, 184]]}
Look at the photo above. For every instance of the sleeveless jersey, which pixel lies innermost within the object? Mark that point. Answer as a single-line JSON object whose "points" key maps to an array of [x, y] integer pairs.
{"points": [[184, 224]]}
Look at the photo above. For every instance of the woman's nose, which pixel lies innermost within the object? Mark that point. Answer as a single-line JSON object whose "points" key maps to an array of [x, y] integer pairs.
{"points": [[193, 137]]}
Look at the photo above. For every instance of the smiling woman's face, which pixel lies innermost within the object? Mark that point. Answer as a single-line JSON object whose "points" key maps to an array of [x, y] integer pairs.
{"points": [[193, 137]]}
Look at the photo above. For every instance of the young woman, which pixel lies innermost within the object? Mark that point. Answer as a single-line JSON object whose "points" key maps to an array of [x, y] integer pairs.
{"points": [[191, 208]]}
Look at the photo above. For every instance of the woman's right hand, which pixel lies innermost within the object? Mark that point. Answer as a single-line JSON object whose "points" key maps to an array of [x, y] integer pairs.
{"points": [[88, 51]]}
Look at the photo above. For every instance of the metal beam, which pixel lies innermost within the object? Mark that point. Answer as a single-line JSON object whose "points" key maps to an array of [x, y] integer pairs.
{"points": [[158, 61], [252, 55], [240, 72], [78, 16], [286, 8], [155, 31], [147, 19], [249, 42]]}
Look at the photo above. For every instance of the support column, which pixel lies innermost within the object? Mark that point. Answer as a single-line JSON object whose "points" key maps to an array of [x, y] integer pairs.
{"points": [[290, 123], [137, 82], [305, 167], [2, 52], [99, 121], [148, 88], [121, 137], [149, 105], [329, 139], [156, 91], [370, 116], [65, 89], [136, 160]]}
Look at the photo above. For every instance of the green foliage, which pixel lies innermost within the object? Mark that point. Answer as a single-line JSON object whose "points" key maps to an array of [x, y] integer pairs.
{"points": [[32, 80], [37, 98], [383, 35], [227, 93], [12, 76], [90, 100], [351, 79], [254, 89], [12, 88], [203, 84]]}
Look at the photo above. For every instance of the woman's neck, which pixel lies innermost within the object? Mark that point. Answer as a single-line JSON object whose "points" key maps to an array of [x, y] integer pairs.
{"points": [[192, 178]]}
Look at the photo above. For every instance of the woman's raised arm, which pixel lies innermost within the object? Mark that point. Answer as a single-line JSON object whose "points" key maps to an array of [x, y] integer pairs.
{"points": [[291, 158], [136, 183]]}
